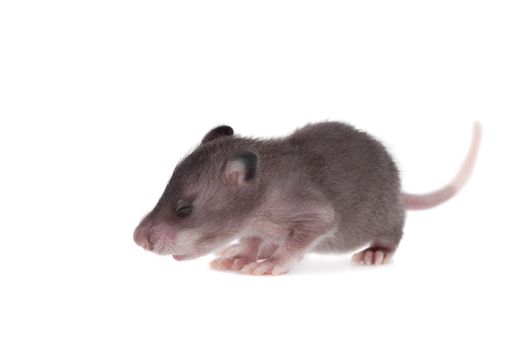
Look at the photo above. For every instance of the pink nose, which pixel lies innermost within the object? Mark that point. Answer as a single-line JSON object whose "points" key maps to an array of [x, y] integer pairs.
{"points": [[142, 238]]}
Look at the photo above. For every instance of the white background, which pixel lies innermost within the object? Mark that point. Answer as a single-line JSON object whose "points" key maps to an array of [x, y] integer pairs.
{"points": [[100, 99]]}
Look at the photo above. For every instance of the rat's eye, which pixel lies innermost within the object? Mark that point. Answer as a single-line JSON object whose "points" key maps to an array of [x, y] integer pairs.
{"points": [[184, 209]]}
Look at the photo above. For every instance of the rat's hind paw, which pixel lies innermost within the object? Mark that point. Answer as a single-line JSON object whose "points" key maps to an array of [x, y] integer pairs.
{"points": [[372, 256], [229, 263]]}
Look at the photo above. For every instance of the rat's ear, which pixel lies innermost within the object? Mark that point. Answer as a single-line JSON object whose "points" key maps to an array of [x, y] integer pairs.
{"points": [[218, 132], [242, 168]]}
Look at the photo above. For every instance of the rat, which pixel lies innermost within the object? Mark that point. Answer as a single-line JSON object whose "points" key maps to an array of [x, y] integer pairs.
{"points": [[264, 203]]}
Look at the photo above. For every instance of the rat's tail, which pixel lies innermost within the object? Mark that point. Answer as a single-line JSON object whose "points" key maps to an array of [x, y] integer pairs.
{"points": [[426, 201]]}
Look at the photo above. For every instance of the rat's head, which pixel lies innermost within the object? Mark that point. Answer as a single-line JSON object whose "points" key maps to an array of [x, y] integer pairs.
{"points": [[207, 200]]}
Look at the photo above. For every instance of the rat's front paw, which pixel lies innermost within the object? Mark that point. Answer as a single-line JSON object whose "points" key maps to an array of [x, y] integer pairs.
{"points": [[229, 263], [269, 267], [229, 251]]}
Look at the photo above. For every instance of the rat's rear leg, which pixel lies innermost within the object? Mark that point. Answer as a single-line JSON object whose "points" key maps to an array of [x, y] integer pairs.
{"points": [[380, 251], [238, 255]]}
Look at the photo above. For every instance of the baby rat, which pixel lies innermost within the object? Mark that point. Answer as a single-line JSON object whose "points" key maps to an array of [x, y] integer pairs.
{"points": [[326, 188]]}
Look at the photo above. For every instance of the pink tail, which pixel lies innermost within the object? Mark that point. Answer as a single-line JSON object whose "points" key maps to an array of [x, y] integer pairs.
{"points": [[426, 201]]}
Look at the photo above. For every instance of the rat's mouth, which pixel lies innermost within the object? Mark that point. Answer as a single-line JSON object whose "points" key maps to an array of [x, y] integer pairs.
{"points": [[181, 257]]}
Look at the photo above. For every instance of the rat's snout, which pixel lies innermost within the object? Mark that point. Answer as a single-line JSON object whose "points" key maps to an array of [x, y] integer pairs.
{"points": [[142, 238]]}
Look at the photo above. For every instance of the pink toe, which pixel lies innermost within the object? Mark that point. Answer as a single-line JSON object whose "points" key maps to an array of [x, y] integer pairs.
{"points": [[259, 271], [216, 264], [249, 268], [369, 257], [238, 264], [378, 258], [358, 258]]}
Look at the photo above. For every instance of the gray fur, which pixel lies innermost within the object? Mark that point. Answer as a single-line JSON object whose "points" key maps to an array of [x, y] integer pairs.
{"points": [[327, 187]]}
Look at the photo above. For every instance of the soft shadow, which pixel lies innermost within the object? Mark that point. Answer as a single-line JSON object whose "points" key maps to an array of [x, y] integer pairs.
{"points": [[331, 264]]}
